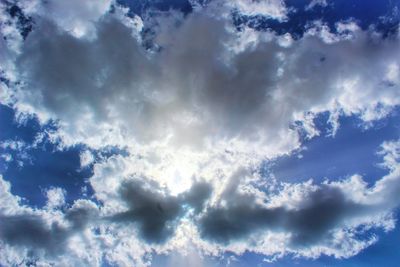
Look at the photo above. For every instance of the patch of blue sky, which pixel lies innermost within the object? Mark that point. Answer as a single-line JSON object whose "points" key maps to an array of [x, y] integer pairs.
{"points": [[353, 150], [140, 7], [34, 169], [383, 14]]}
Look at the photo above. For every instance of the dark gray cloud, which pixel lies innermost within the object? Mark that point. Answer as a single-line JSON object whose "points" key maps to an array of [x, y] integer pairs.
{"points": [[79, 72], [155, 212], [231, 223], [38, 235], [320, 212], [31, 231]]}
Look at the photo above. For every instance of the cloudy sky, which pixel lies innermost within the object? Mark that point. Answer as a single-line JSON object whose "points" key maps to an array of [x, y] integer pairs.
{"points": [[199, 133]]}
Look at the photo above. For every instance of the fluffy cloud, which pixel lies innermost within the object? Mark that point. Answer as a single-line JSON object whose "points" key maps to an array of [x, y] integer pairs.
{"points": [[213, 91], [275, 9], [198, 115], [55, 197]]}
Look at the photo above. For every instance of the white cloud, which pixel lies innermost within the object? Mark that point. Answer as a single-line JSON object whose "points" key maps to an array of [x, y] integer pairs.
{"points": [[86, 158], [314, 3], [55, 197], [9, 203], [275, 9]]}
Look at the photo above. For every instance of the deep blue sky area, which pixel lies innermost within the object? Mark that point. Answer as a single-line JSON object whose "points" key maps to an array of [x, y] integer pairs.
{"points": [[140, 7], [35, 169], [382, 14], [353, 150]]}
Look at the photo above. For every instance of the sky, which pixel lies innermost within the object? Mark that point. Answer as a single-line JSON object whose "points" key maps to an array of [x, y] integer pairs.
{"points": [[199, 133]]}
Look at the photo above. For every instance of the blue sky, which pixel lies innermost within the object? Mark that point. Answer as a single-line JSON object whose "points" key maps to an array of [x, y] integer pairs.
{"points": [[352, 150], [199, 133]]}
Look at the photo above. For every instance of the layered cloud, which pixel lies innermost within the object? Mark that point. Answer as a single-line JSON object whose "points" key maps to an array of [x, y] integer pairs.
{"points": [[198, 112]]}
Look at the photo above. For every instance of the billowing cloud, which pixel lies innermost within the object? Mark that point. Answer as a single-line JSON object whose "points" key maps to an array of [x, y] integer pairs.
{"points": [[198, 113], [218, 90]]}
